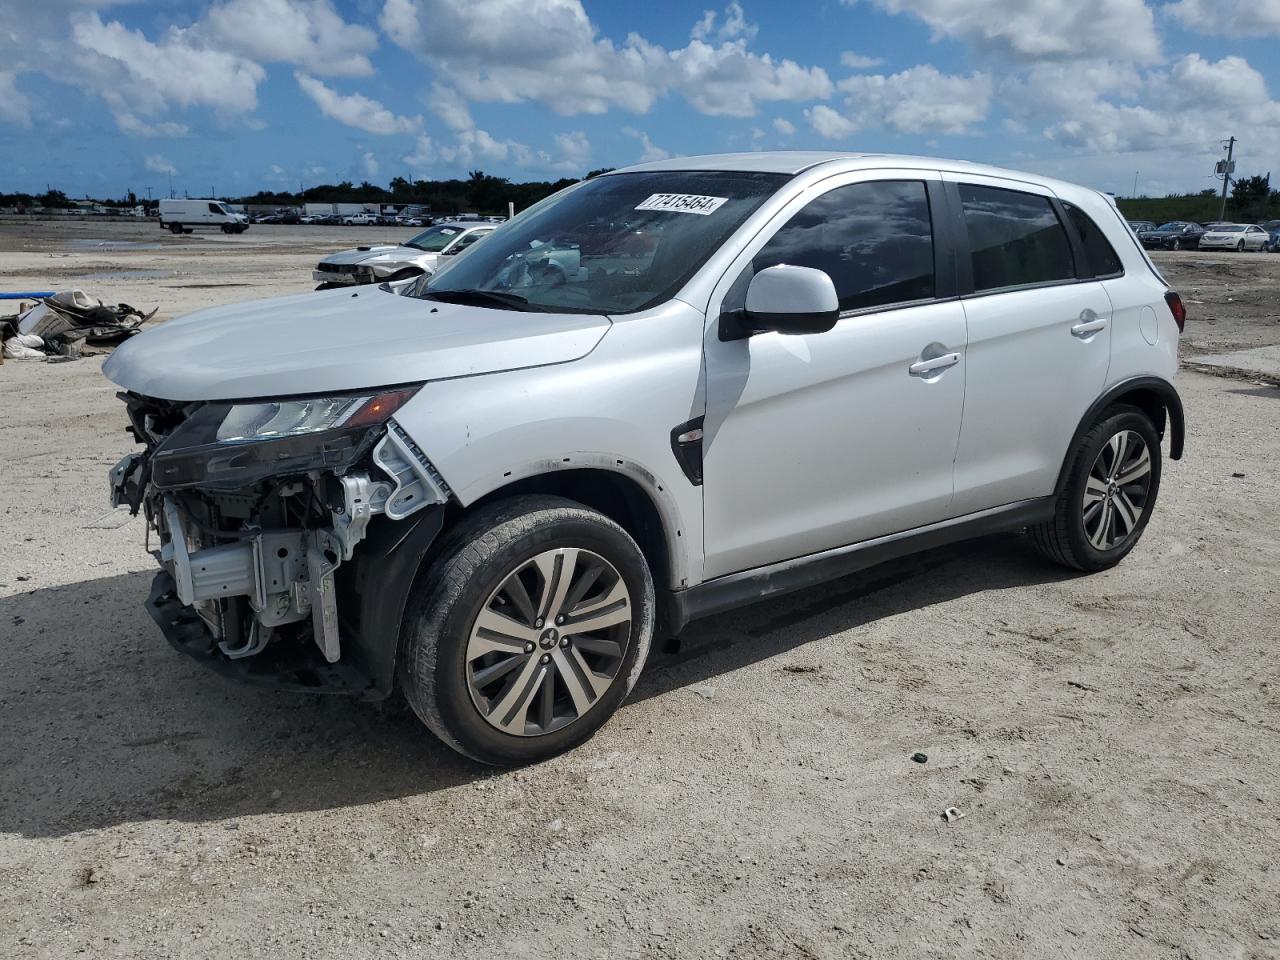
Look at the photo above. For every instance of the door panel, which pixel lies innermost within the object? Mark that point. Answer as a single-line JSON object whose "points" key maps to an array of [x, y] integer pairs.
{"points": [[1036, 360], [818, 441]]}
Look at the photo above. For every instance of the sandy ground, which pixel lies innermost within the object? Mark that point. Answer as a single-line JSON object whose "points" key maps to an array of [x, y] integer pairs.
{"points": [[1111, 740]]}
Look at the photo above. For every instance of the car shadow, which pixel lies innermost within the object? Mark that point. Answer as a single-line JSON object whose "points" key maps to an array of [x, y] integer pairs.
{"points": [[750, 634], [105, 724]]}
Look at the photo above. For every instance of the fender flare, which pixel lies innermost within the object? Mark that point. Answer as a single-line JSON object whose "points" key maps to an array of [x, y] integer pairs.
{"points": [[1164, 392]]}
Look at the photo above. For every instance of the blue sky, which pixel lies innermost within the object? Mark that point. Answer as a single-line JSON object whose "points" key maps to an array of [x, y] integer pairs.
{"points": [[240, 95]]}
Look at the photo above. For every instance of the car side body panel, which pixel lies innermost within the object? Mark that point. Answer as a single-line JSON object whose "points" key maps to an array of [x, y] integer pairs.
{"points": [[612, 410]]}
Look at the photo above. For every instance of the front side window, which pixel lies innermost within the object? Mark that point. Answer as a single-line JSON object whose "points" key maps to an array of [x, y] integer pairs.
{"points": [[874, 239], [216, 208], [1015, 238], [1103, 259], [613, 244]]}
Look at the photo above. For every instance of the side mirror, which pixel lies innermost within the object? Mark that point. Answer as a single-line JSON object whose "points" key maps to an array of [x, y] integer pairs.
{"points": [[791, 300]]}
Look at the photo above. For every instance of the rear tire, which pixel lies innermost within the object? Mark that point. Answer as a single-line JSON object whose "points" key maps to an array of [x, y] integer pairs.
{"points": [[1112, 483], [499, 657], [175, 228]]}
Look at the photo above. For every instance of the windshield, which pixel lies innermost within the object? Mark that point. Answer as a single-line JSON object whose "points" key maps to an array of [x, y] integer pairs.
{"points": [[1230, 228], [435, 239], [1176, 225], [613, 244]]}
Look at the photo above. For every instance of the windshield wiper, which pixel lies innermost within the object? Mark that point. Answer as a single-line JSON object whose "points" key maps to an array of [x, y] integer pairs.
{"points": [[485, 298]]}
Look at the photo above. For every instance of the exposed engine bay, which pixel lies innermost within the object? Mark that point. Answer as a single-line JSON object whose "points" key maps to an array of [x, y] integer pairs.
{"points": [[259, 505]]}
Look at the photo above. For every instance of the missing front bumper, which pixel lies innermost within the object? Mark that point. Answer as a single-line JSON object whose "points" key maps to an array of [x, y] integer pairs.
{"points": [[296, 666]]}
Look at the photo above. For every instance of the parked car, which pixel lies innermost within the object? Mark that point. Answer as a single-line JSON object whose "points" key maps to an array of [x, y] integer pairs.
{"points": [[1216, 224], [396, 262], [1141, 226], [181, 216], [1178, 235], [1235, 236], [360, 220], [493, 487], [1273, 235]]}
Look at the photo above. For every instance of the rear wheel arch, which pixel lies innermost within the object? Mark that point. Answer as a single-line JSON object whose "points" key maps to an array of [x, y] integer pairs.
{"points": [[1154, 396]]}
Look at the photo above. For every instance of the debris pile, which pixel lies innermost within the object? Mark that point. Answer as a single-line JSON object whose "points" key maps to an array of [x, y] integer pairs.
{"points": [[58, 326]]}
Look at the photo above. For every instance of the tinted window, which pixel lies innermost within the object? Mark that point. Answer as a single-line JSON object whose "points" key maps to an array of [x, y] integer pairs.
{"points": [[875, 241], [1015, 238], [1103, 260]]}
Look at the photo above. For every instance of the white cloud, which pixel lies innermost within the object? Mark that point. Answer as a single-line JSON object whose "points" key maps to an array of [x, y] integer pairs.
{"points": [[1041, 29], [856, 61], [14, 107], [370, 164], [918, 100], [130, 123], [355, 110], [648, 149], [549, 51], [150, 77], [1182, 108], [574, 148], [784, 126], [158, 164], [733, 26], [309, 33], [452, 109], [1232, 18], [828, 123]]}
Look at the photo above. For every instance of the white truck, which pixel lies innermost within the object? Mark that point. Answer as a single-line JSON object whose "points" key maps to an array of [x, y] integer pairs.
{"points": [[180, 216]]}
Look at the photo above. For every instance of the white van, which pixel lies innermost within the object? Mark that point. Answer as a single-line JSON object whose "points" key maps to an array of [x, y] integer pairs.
{"points": [[179, 216]]}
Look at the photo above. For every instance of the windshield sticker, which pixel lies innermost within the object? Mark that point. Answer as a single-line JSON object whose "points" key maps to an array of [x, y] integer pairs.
{"points": [[683, 203]]}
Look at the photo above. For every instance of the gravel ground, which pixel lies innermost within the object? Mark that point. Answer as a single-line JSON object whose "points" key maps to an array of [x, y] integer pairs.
{"points": [[1111, 740]]}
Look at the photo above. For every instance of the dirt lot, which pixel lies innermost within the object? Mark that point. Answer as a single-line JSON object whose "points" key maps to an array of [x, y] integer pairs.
{"points": [[1111, 740]]}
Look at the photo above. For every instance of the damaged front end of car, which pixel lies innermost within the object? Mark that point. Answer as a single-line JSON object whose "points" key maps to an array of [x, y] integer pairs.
{"points": [[272, 516]]}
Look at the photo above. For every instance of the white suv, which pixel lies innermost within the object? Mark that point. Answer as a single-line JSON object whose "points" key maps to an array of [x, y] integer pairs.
{"points": [[660, 393]]}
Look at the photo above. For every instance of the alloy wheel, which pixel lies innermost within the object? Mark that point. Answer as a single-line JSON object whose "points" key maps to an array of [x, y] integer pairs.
{"points": [[1117, 490], [549, 642]]}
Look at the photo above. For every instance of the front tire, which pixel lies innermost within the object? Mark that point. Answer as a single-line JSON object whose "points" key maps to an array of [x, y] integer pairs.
{"points": [[1176, 244], [528, 631], [1111, 488]]}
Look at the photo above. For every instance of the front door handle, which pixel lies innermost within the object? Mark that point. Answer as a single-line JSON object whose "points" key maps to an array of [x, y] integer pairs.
{"points": [[1088, 324], [924, 368]]}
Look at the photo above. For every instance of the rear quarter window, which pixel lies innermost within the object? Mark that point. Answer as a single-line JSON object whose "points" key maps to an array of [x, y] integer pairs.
{"points": [[1015, 238], [1103, 259]]}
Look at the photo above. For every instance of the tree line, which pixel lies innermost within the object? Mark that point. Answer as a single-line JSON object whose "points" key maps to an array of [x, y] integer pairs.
{"points": [[1252, 200]]}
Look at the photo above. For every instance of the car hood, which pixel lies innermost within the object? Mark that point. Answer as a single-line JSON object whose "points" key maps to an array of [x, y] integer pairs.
{"points": [[337, 340], [367, 254]]}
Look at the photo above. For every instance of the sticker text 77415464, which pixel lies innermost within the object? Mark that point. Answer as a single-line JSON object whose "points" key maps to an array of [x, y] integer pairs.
{"points": [[682, 203]]}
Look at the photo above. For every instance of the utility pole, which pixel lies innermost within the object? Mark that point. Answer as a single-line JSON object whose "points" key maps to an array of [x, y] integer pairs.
{"points": [[1226, 178], [148, 194], [1135, 185]]}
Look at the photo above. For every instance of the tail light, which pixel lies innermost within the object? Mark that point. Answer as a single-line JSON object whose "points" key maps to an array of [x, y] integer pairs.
{"points": [[1179, 311]]}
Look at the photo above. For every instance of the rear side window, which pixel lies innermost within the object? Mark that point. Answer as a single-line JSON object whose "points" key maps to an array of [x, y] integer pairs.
{"points": [[1103, 259], [875, 241], [1016, 238]]}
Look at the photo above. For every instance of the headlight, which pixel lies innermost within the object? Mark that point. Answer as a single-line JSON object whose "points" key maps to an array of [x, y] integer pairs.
{"points": [[247, 422], [233, 445]]}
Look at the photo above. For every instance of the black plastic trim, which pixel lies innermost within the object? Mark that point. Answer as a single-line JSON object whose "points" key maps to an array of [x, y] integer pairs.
{"points": [[373, 591], [1168, 396], [678, 607]]}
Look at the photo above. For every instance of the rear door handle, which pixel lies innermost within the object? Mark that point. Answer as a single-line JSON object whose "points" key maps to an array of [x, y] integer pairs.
{"points": [[1088, 324], [923, 368]]}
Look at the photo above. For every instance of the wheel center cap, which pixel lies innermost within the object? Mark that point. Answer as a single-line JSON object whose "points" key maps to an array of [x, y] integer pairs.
{"points": [[550, 637]]}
